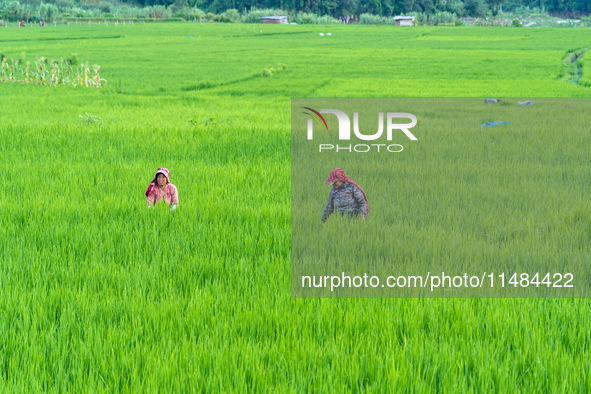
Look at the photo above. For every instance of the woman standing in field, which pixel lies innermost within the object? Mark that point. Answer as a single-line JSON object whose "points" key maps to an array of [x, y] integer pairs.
{"points": [[346, 196], [161, 189]]}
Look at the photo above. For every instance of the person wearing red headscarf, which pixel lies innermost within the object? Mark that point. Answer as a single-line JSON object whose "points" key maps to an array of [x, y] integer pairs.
{"points": [[346, 196], [161, 189]]}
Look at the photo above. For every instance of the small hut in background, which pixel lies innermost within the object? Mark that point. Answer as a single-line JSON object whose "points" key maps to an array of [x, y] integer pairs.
{"points": [[404, 20], [282, 20]]}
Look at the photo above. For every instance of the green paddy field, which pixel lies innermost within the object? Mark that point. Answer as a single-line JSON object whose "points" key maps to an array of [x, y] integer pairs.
{"points": [[98, 294]]}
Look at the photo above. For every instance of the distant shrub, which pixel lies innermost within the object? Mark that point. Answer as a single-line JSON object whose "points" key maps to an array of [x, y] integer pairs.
{"points": [[232, 14], [193, 14], [222, 18], [198, 12], [90, 119], [516, 23], [370, 19], [304, 18], [73, 60], [443, 19], [157, 11], [47, 12], [118, 88], [127, 12], [326, 20], [279, 68]]}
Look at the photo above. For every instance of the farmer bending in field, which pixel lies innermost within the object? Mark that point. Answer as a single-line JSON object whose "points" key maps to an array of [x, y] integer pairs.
{"points": [[161, 188], [346, 196]]}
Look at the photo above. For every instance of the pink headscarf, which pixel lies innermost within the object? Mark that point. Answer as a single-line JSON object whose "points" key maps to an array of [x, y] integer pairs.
{"points": [[339, 175], [162, 171]]}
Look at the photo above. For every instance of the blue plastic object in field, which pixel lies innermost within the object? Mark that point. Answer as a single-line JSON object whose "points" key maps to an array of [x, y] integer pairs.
{"points": [[492, 124]]}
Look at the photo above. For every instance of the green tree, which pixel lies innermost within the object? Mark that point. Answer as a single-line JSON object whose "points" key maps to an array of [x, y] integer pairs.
{"points": [[475, 8], [495, 6], [47, 12]]}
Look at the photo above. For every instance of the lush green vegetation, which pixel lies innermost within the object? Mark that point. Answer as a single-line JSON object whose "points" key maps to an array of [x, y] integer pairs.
{"points": [[430, 12], [100, 294]]}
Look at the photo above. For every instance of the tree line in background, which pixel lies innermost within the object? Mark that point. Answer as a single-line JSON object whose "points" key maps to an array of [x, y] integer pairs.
{"points": [[300, 11]]}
